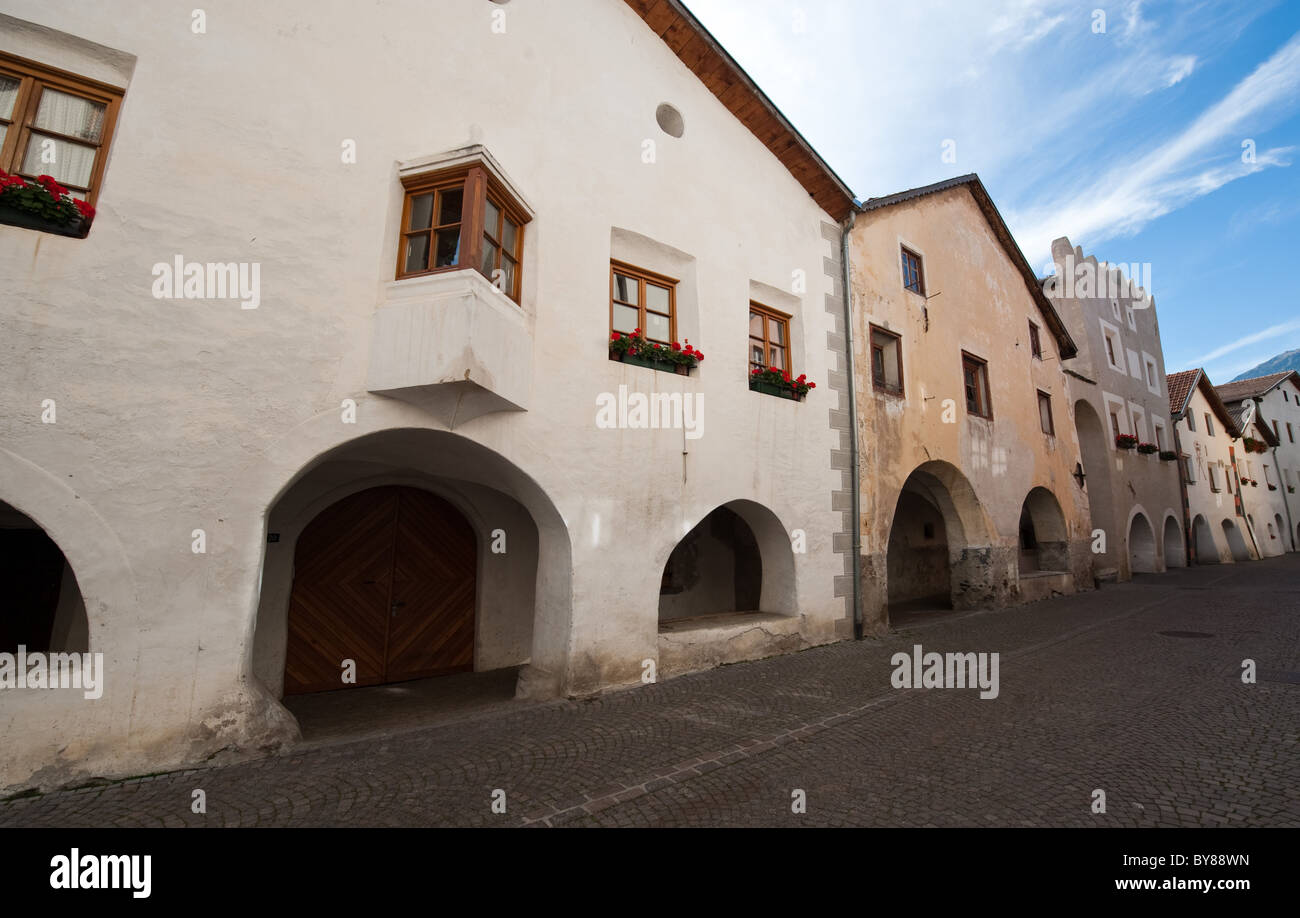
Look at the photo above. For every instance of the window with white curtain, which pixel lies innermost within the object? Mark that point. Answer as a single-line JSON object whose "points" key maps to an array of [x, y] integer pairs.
{"points": [[54, 123]]}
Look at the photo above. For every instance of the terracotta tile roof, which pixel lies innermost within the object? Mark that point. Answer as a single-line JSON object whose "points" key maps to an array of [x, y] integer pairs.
{"points": [[1251, 388], [1180, 387]]}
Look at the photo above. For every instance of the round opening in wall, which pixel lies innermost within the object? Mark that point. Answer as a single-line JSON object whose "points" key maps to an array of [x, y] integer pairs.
{"points": [[670, 120]]}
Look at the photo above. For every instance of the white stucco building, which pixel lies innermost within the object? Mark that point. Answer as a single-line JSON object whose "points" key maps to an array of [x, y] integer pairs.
{"points": [[1273, 404], [388, 448], [1208, 440]]}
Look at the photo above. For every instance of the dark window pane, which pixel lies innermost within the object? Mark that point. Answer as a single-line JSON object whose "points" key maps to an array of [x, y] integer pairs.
{"points": [[448, 247], [492, 220], [449, 210], [510, 236]]}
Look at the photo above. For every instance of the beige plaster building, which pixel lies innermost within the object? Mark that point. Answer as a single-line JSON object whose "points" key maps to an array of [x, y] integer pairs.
{"points": [[968, 446]]}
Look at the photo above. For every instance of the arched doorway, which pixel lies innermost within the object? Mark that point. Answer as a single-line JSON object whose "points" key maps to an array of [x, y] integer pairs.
{"points": [[1141, 545], [1095, 452], [716, 568], [939, 552], [385, 578], [1206, 551], [1281, 533], [1173, 539], [522, 583], [43, 610], [1044, 545], [1235, 542]]}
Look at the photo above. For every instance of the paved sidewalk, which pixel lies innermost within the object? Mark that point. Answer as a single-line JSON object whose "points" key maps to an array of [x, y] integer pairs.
{"points": [[1092, 696]]}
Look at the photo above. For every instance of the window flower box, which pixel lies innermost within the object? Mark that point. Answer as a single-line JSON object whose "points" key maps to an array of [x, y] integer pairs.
{"points": [[1254, 484], [1272, 487], [1249, 444], [775, 381], [1147, 449], [1290, 489], [1126, 441], [1168, 455], [636, 350], [43, 205]]}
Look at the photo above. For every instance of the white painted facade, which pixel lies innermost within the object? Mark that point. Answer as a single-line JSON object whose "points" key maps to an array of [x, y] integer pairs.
{"points": [[179, 415], [1219, 531]]}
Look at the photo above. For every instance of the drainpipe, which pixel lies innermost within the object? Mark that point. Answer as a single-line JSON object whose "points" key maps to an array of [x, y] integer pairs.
{"points": [[855, 482], [1189, 550], [1281, 483]]}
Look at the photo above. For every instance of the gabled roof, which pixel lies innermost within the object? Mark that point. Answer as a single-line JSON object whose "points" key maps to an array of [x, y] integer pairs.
{"points": [[1237, 409], [973, 184], [1255, 386], [708, 60], [1182, 385]]}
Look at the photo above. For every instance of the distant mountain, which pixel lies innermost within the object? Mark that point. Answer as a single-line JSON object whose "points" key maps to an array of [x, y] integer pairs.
{"points": [[1290, 360]]}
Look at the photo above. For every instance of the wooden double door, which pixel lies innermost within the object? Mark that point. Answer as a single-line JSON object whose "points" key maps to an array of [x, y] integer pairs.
{"points": [[385, 577]]}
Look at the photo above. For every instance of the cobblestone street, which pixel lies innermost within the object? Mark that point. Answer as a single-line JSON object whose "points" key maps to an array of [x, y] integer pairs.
{"points": [[1092, 696]]}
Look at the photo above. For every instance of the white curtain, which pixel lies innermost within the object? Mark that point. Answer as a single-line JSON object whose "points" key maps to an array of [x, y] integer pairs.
{"points": [[70, 163]]}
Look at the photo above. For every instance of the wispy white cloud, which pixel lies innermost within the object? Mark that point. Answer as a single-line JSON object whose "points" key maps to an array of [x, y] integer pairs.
{"points": [[1130, 195], [1272, 332], [1180, 68]]}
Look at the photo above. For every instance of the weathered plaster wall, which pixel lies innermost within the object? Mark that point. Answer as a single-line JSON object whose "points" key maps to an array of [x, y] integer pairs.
{"points": [[1118, 480], [978, 303], [175, 415]]}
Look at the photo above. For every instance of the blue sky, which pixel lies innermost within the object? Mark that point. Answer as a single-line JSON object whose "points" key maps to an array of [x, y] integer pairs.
{"points": [[1129, 141]]}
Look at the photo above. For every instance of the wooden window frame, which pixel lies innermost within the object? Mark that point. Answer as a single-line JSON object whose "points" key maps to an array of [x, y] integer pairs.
{"points": [[1050, 430], [904, 254], [986, 402], [898, 351], [1035, 343], [33, 79], [644, 276], [770, 316], [479, 186]]}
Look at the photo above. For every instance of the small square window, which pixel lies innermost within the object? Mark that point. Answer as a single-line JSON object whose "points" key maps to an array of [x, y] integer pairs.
{"points": [[769, 338], [1045, 414], [912, 278], [644, 300], [1035, 345], [886, 361]]}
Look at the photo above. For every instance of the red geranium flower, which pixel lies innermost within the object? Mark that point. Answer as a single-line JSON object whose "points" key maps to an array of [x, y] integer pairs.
{"points": [[84, 209]]}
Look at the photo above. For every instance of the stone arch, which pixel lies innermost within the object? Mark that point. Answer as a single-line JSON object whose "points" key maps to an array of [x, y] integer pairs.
{"points": [[394, 449], [97, 565], [44, 610], [1236, 543], [940, 550], [1141, 544], [1044, 538], [1207, 550], [738, 558], [1175, 553], [1095, 453]]}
